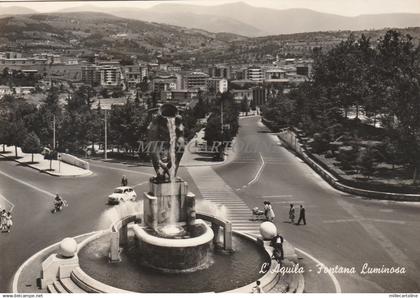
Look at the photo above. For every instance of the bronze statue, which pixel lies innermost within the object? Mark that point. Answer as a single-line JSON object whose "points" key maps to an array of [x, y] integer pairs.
{"points": [[159, 136]]}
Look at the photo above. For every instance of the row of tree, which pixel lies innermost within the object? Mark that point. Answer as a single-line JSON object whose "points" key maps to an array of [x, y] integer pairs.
{"points": [[380, 79], [78, 126]]}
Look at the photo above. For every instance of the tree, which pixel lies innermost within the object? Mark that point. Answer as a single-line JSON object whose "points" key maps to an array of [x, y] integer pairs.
{"points": [[245, 105], [400, 72], [31, 144], [366, 162], [213, 131], [4, 134]]}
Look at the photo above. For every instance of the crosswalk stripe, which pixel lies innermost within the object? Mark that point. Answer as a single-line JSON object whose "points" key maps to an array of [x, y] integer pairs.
{"points": [[213, 189]]}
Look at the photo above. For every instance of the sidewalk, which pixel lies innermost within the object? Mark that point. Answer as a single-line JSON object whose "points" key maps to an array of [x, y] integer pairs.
{"points": [[60, 169], [192, 158]]}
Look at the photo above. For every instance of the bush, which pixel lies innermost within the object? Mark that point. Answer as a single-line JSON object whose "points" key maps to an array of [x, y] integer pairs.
{"points": [[321, 143], [366, 162], [347, 156]]}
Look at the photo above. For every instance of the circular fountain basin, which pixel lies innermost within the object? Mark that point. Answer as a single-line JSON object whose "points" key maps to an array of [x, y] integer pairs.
{"points": [[185, 251], [227, 271]]}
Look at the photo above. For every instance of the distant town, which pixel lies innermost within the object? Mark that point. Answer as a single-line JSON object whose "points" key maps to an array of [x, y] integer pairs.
{"points": [[114, 80]]}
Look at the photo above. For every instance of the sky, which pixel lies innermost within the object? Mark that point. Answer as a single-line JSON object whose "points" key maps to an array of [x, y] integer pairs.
{"points": [[340, 7]]}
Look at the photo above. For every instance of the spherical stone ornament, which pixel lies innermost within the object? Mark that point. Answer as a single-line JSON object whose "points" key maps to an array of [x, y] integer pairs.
{"points": [[268, 230], [68, 247]]}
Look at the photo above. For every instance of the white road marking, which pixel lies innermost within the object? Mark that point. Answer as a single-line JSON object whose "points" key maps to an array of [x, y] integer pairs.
{"points": [[12, 206], [214, 189], [257, 176], [276, 196], [400, 222], [386, 210], [141, 183], [27, 184], [331, 275]]}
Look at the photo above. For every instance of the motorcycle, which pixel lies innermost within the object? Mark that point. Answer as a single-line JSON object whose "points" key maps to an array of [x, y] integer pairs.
{"points": [[59, 207]]}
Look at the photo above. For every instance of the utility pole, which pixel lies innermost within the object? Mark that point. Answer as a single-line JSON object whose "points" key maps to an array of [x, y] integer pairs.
{"points": [[221, 121], [221, 116], [54, 132], [106, 136]]}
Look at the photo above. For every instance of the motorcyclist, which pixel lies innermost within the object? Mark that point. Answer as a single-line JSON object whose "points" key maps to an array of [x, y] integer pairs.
{"points": [[58, 202]]}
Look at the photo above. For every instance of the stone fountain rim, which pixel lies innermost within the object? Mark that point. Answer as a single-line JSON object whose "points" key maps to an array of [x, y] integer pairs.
{"points": [[206, 237], [266, 279]]}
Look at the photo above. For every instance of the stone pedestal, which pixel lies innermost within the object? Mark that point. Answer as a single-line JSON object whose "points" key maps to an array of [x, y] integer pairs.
{"points": [[57, 267], [114, 250], [159, 200]]}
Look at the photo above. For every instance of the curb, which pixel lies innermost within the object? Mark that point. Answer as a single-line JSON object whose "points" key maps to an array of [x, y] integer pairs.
{"points": [[45, 171], [327, 176]]}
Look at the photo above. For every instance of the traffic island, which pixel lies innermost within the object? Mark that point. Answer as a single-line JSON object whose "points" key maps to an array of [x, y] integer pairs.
{"points": [[55, 168], [293, 143]]}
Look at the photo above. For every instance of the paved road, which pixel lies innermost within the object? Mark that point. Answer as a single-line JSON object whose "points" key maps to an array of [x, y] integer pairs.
{"points": [[342, 229], [32, 194]]}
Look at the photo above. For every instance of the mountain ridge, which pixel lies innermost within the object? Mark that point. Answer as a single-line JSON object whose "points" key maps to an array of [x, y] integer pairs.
{"points": [[243, 19]]}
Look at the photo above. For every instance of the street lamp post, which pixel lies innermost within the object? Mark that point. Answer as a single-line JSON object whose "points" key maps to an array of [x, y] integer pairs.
{"points": [[106, 136], [221, 129]]}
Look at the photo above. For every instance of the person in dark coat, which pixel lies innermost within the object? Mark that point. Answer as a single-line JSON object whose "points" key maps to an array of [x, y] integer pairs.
{"points": [[302, 215], [277, 244], [124, 181]]}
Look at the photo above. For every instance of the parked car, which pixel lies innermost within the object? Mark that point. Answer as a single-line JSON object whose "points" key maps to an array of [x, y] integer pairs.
{"points": [[122, 194]]}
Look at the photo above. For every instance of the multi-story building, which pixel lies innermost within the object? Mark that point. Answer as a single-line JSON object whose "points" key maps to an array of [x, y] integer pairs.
{"points": [[259, 95], [240, 94], [110, 76], [164, 83], [254, 73], [220, 71], [275, 74], [20, 63], [183, 96], [196, 80], [91, 75], [132, 75], [215, 85]]}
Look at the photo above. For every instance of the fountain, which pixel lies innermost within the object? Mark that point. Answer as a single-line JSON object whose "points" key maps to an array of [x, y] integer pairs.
{"points": [[171, 239], [169, 246]]}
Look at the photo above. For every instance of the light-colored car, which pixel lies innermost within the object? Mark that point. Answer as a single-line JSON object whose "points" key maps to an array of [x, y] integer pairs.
{"points": [[122, 194]]}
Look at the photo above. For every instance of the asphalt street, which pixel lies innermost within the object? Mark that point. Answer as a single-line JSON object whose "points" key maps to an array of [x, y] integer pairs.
{"points": [[342, 229], [32, 193]]}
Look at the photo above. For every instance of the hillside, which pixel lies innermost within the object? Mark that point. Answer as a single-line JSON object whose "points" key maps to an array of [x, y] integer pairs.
{"points": [[244, 19], [102, 32], [82, 34]]}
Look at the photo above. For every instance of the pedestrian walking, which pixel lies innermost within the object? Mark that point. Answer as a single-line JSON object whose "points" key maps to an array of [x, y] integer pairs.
{"points": [[292, 214], [257, 288], [266, 209], [9, 222], [302, 215], [124, 181], [3, 220], [270, 212]]}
